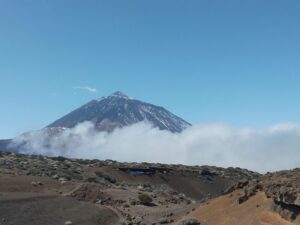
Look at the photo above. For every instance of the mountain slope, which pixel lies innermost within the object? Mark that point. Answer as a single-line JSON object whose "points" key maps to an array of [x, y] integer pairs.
{"points": [[118, 110], [106, 113], [4, 143]]}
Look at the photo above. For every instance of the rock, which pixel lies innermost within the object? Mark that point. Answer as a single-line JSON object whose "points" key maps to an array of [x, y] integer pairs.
{"points": [[126, 205], [137, 220], [169, 214], [251, 189], [189, 222], [122, 223], [62, 179], [100, 202], [241, 184], [68, 222], [63, 182], [132, 201], [140, 187], [166, 220]]}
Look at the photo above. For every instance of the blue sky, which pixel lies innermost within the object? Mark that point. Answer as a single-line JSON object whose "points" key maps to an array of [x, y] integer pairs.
{"points": [[236, 62]]}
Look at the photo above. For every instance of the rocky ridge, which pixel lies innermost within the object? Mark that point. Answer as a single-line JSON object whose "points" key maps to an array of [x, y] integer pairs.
{"points": [[172, 190], [283, 187]]}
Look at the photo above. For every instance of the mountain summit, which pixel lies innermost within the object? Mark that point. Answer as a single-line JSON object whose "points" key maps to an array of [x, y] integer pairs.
{"points": [[119, 110], [106, 113], [119, 94]]}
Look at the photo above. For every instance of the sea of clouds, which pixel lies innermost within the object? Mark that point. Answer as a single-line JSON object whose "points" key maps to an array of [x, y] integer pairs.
{"points": [[262, 150]]}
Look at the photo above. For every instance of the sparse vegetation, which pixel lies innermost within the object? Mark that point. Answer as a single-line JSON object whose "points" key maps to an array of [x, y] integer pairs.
{"points": [[92, 179], [60, 158], [106, 176], [145, 199]]}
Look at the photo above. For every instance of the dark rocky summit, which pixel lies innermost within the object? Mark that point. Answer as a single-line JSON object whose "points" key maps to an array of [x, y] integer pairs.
{"points": [[119, 110], [4, 144], [106, 114]]}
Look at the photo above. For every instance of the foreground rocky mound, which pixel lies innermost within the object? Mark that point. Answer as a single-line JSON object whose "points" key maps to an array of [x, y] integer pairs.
{"points": [[226, 210], [270, 199], [44, 190]]}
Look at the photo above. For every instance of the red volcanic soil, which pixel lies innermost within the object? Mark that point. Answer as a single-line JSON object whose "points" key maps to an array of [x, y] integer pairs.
{"points": [[226, 210]]}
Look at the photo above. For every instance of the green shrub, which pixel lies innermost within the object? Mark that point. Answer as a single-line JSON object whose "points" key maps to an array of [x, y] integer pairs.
{"points": [[106, 177], [92, 179], [60, 158], [145, 199]]}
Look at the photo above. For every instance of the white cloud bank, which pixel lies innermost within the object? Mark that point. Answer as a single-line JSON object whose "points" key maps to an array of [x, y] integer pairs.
{"points": [[270, 149], [86, 88]]}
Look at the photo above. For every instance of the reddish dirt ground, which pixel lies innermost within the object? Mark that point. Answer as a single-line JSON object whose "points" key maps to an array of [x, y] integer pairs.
{"points": [[22, 203], [225, 210]]}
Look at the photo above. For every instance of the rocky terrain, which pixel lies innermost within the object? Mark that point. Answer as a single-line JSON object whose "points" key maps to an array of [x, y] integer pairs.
{"points": [[269, 199], [57, 190], [45, 190]]}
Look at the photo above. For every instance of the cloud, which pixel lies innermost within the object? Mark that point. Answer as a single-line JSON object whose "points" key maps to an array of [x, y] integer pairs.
{"points": [[86, 88], [262, 150]]}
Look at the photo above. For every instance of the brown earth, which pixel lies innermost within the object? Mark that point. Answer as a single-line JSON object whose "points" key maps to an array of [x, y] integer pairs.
{"points": [[44, 190], [23, 203], [273, 198], [35, 209], [226, 210]]}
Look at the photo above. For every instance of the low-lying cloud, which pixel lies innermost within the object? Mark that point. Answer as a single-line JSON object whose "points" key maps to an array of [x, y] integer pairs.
{"points": [[270, 149]]}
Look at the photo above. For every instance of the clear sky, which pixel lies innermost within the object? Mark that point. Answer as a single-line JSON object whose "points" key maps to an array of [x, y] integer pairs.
{"points": [[236, 62]]}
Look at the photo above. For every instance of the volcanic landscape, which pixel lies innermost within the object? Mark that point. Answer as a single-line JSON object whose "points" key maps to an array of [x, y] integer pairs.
{"points": [[45, 189]]}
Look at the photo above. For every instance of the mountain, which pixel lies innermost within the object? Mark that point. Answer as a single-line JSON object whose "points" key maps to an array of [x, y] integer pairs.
{"points": [[106, 113], [4, 144], [119, 110]]}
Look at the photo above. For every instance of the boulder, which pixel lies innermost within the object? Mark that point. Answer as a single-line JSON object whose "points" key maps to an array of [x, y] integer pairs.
{"points": [[189, 222]]}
